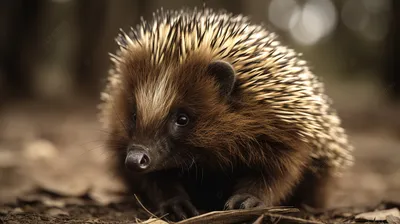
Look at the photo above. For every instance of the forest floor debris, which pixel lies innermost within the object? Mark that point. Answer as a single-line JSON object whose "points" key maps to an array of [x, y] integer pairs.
{"points": [[56, 172]]}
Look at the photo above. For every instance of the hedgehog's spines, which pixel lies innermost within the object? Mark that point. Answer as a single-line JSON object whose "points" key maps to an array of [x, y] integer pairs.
{"points": [[120, 42], [270, 72], [143, 24], [115, 58], [135, 35]]}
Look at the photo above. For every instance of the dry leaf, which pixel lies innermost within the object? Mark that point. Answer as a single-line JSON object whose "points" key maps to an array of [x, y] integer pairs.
{"points": [[153, 221], [378, 215]]}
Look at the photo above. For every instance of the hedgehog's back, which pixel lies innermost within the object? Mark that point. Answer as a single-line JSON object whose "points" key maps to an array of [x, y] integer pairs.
{"points": [[267, 71]]}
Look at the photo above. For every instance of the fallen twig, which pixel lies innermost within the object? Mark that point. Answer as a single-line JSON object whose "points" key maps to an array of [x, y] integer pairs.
{"points": [[239, 216], [274, 215]]}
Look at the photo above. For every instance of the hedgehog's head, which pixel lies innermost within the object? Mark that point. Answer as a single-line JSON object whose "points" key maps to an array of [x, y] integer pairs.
{"points": [[167, 114]]}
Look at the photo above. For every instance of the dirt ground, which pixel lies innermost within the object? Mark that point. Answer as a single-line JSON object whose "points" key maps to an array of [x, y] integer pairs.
{"points": [[53, 166]]}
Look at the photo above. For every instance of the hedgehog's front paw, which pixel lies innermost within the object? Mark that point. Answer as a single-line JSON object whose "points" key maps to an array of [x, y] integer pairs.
{"points": [[177, 208], [244, 201]]}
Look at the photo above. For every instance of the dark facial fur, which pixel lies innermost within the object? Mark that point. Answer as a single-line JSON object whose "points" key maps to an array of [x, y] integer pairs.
{"points": [[199, 91]]}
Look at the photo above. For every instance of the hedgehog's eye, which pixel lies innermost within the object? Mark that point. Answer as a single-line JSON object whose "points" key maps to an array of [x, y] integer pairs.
{"points": [[182, 120], [134, 117]]}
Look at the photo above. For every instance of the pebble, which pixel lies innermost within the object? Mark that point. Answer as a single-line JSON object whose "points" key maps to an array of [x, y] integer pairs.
{"points": [[40, 149], [17, 211], [56, 212], [54, 203]]}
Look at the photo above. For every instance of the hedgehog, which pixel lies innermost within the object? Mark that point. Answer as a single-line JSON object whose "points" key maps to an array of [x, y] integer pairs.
{"points": [[208, 111]]}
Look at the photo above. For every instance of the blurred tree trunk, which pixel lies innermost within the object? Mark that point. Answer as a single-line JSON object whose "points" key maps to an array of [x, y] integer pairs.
{"points": [[18, 44], [91, 25], [392, 72], [94, 37]]}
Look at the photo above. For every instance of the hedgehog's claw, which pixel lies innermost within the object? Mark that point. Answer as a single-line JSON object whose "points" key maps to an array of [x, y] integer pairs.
{"points": [[243, 201], [178, 208]]}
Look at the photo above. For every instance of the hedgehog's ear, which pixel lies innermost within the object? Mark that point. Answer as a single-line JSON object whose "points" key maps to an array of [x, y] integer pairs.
{"points": [[224, 74]]}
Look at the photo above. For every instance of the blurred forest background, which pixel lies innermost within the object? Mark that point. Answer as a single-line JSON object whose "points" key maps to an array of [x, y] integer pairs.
{"points": [[54, 60]]}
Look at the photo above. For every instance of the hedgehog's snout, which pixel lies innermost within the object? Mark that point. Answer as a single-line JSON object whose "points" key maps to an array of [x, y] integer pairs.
{"points": [[137, 158]]}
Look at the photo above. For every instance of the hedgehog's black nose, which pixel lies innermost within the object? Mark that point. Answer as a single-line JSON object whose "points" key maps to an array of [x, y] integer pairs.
{"points": [[137, 160]]}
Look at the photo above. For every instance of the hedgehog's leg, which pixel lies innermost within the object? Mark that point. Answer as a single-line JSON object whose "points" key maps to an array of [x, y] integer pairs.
{"points": [[178, 205], [260, 191], [313, 190], [169, 197], [244, 201], [270, 187]]}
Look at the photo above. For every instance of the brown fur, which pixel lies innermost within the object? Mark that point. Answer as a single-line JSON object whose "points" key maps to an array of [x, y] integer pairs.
{"points": [[230, 134], [237, 146]]}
